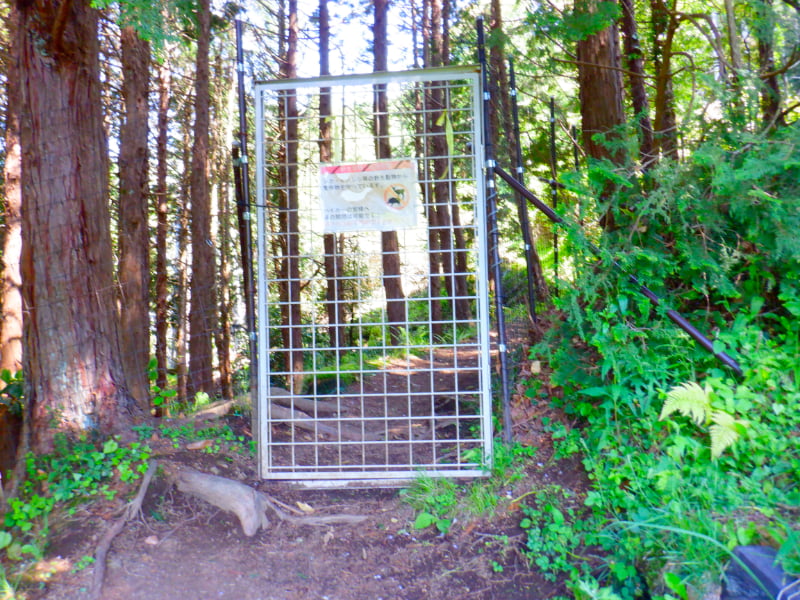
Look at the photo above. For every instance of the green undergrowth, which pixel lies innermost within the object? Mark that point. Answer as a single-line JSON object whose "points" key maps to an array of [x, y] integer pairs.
{"points": [[75, 472], [442, 503], [686, 458], [81, 471]]}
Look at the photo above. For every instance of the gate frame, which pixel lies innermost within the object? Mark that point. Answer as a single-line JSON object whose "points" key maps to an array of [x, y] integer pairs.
{"points": [[367, 478]]}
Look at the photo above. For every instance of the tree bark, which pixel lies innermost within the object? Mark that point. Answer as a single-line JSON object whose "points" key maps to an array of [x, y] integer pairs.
{"points": [[182, 276], [161, 291], [289, 221], [664, 26], [203, 300], [636, 83], [771, 114], [225, 81], [334, 259], [392, 284], [134, 235], [533, 262], [600, 92], [72, 353]]}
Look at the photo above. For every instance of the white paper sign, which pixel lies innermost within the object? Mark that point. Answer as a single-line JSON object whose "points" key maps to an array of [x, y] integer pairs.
{"points": [[380, 195]]}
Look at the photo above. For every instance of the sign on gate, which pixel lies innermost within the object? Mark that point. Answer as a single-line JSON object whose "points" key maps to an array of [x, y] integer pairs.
{"points": [[380, 195]]}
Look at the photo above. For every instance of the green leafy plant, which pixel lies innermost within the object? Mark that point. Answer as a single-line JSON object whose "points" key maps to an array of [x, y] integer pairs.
{"points": [[693, 401], [13, 393]]}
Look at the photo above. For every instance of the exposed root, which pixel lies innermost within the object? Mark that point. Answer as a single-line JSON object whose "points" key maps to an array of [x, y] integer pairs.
{"points": [[247, 504], [131, 510]]}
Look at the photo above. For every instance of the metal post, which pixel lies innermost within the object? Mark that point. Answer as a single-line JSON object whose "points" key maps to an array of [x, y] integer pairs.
{"points": [[522, 205], [674, 316], [494, 238], [242, 185], [554, 189], [577, 161]]}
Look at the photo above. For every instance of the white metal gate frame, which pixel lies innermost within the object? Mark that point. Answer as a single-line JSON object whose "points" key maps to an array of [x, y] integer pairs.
{"points": [[455, 441]]}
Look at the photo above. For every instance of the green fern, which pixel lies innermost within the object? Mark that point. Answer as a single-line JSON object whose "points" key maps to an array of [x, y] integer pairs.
{"points": [[724, 431], [693, 401], [690, 400]]}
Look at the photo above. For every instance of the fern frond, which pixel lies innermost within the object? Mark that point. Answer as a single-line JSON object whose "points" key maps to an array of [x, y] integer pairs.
{"points": [[724, 432], [690, 400]]}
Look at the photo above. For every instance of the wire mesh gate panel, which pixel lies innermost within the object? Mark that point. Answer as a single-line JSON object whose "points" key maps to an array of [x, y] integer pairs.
{"points": [[372, 278]]}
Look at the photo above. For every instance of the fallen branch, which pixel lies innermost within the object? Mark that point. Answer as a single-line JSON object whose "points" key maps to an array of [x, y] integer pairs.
{"points": [[281, 396], [247, 504], [131, 510]]}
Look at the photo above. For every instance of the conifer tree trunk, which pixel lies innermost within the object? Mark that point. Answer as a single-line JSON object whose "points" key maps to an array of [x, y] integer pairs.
{"points": [[432, 111], [600, 83], [71, 342], [664, 26], [392, 284], [182, 278], [289, 215], [498, 60], [161, 202], [334, 259], [638, 91], [134, 235], [770, 91], [223, 111], [203, 297]]}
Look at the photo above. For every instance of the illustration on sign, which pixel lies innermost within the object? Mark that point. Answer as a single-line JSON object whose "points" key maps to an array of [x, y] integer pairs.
{"points": [[380, 195]]}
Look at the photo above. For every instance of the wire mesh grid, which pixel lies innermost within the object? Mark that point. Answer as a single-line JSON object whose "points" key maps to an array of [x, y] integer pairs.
{"points": [[373, 311]]}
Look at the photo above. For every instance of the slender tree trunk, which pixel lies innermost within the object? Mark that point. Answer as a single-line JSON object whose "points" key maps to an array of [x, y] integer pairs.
{"points": [[203, 302], [334, 260], [11, 324], [770, 91], [636, 83], [162, 323], [498, 60], [72, 353], [432, 109], [134, 234], [392, 284], [225, 80], [290, 225], [665, 123], [182, 277]]}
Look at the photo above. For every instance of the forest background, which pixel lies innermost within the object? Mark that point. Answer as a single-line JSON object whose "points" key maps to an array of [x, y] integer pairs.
{"points": [[118, 217]]}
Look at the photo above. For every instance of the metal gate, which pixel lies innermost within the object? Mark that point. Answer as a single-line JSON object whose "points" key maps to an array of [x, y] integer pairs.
{"points": [[355, 389]]}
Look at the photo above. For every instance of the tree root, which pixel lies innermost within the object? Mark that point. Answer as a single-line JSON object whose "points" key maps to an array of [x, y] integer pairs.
{"points": [[131, 510], [247, 504]]}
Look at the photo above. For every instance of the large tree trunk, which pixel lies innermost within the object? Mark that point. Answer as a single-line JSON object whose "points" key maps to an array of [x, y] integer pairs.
{"points": [[392, 284], [161, 290], [334, 259], [11, 324], [203, 300], [72, 353], [600, 83], [134, 234]]}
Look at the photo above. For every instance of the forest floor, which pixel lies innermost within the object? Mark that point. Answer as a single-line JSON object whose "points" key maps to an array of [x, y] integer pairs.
{"points": [[181, 547]]}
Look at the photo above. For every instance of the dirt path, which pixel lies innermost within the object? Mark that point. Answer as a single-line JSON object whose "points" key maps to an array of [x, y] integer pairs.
{"points": [[183, 548], [186, 549]]}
